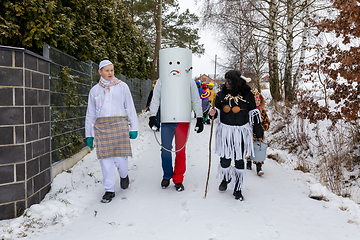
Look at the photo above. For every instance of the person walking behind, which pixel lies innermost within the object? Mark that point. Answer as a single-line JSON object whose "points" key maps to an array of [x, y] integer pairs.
{"points": [[265, 124], [205, 103], [147, 107]]}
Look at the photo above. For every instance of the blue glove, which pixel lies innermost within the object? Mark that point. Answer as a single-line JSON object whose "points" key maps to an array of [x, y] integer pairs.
{"points": [[133, 134], [90, 142]]}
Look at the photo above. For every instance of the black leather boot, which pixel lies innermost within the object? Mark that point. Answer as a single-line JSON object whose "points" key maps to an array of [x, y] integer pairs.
{"points": [[124, 182], [258, 169], [223, 185], [248, 165], [237, 193]]}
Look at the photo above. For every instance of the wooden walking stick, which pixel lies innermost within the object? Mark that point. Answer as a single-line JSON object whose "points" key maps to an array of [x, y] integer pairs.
{"points": [[211, 132], [208, 175]]}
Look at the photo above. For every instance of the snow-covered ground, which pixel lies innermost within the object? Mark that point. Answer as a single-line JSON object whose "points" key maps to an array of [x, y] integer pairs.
{"points": [[276, 206]]}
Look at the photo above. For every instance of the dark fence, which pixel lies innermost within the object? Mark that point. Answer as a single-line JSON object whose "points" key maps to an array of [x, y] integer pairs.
{"points": [[70, 83], [43, 101]]}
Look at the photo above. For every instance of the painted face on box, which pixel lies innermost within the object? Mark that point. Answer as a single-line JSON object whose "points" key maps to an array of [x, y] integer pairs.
{"points": [[175, 75]]}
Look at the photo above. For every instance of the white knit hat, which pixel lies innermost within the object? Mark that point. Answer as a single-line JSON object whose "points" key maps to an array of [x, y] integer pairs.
{"points": [[104, 63]]}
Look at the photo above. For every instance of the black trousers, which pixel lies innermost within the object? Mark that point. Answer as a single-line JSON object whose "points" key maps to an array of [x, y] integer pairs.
{"points": [[225, 163]]}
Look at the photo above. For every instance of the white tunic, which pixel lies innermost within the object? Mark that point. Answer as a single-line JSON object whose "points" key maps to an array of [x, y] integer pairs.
{"points": [[116, 102]]}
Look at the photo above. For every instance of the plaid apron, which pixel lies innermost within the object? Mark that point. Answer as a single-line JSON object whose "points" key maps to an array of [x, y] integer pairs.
{"points": [[112, 137]]}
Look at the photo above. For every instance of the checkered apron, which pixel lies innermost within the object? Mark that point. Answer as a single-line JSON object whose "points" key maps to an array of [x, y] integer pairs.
{"points": [[112, 137]]}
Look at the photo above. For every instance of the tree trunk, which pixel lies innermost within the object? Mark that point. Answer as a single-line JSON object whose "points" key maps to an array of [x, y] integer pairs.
{"points": [[158, 21], [304, 43], [273, 53], [288, 87]]}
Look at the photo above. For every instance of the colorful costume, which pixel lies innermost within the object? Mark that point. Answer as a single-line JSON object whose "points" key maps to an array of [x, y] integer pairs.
{"points": [[212, 96], [175, 66], [205, 103], [265, 124]]}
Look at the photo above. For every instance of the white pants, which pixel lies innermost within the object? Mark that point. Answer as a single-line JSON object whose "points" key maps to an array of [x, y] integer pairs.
{"points": [[108, 171]]}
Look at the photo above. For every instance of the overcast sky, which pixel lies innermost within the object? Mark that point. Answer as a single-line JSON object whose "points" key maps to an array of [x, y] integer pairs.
{"points": [[206, 63]]}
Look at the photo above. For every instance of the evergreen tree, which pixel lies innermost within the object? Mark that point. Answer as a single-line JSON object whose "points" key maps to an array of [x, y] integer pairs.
{"points": [[88, 29], [177, 28], [30, 24]]}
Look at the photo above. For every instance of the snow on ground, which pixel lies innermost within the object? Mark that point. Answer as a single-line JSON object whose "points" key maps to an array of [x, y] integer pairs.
{"points": [[276, 206]]}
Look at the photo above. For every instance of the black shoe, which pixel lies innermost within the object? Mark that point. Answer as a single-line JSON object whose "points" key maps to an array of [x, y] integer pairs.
{"points": [[124, 182], [248, 165], [258, 169], [108, 196], [179, 187], [238, 195], [223, 185], [165, 183]]}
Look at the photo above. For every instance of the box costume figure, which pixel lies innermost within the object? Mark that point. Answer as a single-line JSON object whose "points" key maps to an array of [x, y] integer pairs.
{"points": [[175, 92]]}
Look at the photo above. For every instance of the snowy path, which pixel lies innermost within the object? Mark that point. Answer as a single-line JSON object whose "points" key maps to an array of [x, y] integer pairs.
{"points": [[276, 206]]}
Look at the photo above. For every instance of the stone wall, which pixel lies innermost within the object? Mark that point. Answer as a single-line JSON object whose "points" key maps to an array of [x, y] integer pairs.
{"points": [[25, 174]]}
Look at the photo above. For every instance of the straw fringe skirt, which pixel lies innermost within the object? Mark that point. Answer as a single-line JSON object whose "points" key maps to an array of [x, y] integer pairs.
{"points": [[228, 141]]}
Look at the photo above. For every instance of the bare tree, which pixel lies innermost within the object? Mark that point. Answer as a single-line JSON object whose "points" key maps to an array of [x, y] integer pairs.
{"points": [[281, 24], [246, 51]]}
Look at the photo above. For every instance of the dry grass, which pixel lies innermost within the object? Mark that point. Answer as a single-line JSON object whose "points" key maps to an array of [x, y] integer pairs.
{"points": [[330, 155]]}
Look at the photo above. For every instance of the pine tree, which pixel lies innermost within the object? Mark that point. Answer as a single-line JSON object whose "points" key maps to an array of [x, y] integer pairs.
{"points": [[87, 29], [177, 28]]}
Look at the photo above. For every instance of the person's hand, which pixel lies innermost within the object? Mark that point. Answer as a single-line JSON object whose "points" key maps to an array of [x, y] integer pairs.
{"points": [[199, 125], [259, 139], [133, 134], [212, 112], [152, 123], [90, 142]]}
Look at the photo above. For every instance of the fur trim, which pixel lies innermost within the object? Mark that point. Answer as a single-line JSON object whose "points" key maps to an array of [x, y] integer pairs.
{"points": [[239, 176], [224, 173]]}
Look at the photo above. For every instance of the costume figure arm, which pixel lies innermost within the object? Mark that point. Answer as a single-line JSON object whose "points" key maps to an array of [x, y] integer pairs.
{"points": [[195, 99], [130, 109], [90, 116], [155, 101]]}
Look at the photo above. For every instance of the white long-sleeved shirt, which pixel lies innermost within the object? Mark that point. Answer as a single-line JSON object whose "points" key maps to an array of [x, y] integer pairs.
{"points": [[195, 99], [116, 102]]}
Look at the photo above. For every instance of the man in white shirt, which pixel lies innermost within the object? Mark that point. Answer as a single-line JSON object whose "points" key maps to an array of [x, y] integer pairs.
{"points": [[109, 111]]}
